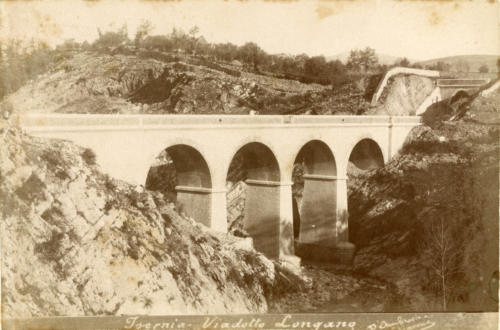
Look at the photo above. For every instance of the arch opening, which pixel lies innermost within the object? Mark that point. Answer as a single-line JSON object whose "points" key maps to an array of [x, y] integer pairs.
{"points": [[181, 173], [253, 197], [314, 193], [366, 155], [459, 95]]}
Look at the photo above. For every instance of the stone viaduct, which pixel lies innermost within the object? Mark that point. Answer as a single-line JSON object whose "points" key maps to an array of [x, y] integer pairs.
{"points": [[203, 146]]}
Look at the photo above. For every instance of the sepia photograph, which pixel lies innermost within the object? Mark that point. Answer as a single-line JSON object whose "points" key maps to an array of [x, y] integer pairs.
{"points": [[329, 164]]}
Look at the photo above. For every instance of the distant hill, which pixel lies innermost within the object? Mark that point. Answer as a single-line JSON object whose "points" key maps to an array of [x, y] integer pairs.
{"points": [[382, 58], [474, 61]]}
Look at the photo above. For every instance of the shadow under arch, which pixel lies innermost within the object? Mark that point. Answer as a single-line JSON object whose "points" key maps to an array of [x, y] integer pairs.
{"points": [[183, 175], [315, 192], [254, 173], [366, 155], [460, 94], [260, 162]]}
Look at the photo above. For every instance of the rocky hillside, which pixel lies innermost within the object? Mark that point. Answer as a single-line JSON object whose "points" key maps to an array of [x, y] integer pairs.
{"points": [[77, 242], [99, 83], [403, 95], [438, 198]]}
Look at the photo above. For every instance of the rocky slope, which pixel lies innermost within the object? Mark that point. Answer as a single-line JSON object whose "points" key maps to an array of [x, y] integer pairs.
{"points": [[77, 242], [443, 187], [98, 83]]}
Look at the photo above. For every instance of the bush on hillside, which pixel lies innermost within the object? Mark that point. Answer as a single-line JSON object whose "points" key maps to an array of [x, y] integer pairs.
{"points": [[89, 156]]}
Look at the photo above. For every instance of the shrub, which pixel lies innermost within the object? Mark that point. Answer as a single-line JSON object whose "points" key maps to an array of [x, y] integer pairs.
{"points": [[50, 249], [89, 156], [109, 183], [52, 158]]}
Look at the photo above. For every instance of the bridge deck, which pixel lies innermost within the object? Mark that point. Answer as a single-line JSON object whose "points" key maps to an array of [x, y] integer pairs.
{"points": [[142, 121], [461, 83]]}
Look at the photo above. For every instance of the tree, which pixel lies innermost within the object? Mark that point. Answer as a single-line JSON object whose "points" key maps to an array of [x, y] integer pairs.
{"points": [[404, 62], [462, 66], [194, 31], [179, 39], [111, 38], [440, 66], [251, 53], [443, 254], [484, 68], [192, 44], [315, 66], [142, 32], [68, 45], [85, 45], [362, 60], [161, 43], [337, 73], [20, 62], [225, 52], [300, 61]]}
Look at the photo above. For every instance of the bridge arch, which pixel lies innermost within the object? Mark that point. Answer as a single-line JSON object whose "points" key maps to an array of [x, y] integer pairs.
{"points": [[260, 162], [317, 158], [459, 94], [256, 168], [366, 154], [315, 190], [261, 149], [182, 173]]}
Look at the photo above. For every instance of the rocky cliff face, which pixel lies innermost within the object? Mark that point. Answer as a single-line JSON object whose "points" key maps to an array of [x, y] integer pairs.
{"points": [[97, 83], [77, 242], [443, 187], [403, 95]]}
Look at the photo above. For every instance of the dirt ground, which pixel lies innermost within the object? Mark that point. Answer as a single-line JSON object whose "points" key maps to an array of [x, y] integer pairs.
{"points": [[335, 288]]}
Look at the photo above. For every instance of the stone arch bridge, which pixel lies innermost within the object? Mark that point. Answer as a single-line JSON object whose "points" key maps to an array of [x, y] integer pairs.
{"points": [[203, 146], [444, 88]]}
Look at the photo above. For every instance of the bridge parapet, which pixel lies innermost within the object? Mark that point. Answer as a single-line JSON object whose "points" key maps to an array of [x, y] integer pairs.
{"points": [[400, 70], [457, 83], [66, 121]]}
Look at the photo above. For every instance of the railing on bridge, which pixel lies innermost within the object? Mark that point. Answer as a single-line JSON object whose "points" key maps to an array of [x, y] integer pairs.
{"points": [[462, 83], [143, 121]]}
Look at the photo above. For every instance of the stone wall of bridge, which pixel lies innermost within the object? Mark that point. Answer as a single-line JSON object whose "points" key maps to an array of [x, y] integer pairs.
{"points": [[204, 146]]}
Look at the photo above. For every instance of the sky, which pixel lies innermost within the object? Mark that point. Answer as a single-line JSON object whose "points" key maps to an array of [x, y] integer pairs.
{"points": [[410, 28]]}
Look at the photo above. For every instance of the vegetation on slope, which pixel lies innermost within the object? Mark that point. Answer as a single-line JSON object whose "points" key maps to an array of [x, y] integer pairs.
{"points": [[93, 83], [92, 245], [428, 220]]}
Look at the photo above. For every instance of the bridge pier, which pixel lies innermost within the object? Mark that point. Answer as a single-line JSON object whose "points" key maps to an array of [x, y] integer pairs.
{"points": [[342, 215], [324, 231], [318, 210], [344, 250], [268, 217], [205, 205]]}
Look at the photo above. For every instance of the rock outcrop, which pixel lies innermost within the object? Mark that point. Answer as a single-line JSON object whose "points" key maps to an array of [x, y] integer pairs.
{"points": [[77, 242], [446, 175], [99, 83], [403, 95]]}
